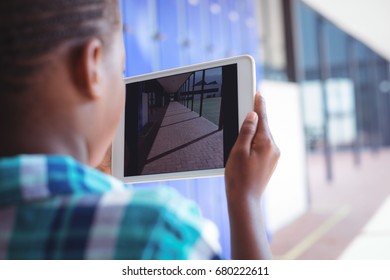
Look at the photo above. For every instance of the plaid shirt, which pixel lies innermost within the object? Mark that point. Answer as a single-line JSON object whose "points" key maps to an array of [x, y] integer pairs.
{"points": [[53, 207]]}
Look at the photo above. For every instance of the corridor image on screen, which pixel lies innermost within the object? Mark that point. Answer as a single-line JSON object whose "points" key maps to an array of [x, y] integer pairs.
{"points": [[176, 123]]}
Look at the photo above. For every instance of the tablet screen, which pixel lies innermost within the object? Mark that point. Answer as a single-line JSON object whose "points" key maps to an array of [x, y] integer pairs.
{"points": [[182, 122]]}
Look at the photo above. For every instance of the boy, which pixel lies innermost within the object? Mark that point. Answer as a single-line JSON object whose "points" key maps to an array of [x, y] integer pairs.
{"points": [[61, 96]]}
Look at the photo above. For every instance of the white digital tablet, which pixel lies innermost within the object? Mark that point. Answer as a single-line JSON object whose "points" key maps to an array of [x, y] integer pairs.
{"points": [[183, 122]]}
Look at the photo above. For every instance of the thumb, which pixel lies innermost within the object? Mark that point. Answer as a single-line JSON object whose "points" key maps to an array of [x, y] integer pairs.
{"points": [[247, 132]]}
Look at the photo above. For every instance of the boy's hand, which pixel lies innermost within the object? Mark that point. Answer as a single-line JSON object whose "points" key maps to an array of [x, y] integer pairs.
{"points": [[253, 157], [250, 165]]}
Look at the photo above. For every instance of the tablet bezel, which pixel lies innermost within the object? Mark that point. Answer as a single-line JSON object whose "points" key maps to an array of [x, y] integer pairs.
{"points": [[246, 77]]}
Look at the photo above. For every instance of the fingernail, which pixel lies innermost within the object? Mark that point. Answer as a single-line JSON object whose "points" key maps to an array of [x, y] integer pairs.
{"points": [[252, 116]]}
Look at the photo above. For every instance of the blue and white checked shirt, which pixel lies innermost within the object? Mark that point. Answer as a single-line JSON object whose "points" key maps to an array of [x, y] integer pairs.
{"points": [[53, 207]]}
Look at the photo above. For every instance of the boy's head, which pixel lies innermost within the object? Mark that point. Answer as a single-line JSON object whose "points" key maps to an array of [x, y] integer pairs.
{"points": [[61, 88]]}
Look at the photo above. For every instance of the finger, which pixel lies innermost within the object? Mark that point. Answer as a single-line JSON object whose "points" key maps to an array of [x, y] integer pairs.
{"points": [[260, 109], [247, 132]]}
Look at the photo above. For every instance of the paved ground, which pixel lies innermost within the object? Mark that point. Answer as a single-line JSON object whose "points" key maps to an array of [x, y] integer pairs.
{"points": [[348, 218], [185, 140], [373, 241]]}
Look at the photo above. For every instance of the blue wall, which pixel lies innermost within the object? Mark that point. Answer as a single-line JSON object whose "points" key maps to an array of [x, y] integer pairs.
{"points": [[162, 34]]}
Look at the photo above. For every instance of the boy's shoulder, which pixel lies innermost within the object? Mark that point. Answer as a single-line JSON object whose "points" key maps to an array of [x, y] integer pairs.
{"points": [[65, 203]]}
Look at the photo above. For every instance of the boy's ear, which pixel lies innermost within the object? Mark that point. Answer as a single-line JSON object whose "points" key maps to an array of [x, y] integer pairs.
{"points": [[89, 73]]}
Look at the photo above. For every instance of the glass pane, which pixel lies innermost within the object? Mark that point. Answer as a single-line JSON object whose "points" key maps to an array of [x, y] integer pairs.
{"points": [[168, 33], [137, 36]]}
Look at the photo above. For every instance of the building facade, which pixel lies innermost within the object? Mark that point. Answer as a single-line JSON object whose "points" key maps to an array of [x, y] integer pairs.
{"points": [[326, 91]]}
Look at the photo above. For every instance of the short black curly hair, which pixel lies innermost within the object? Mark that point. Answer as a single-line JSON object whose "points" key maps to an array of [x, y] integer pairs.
{"points": [[30, 29]]}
